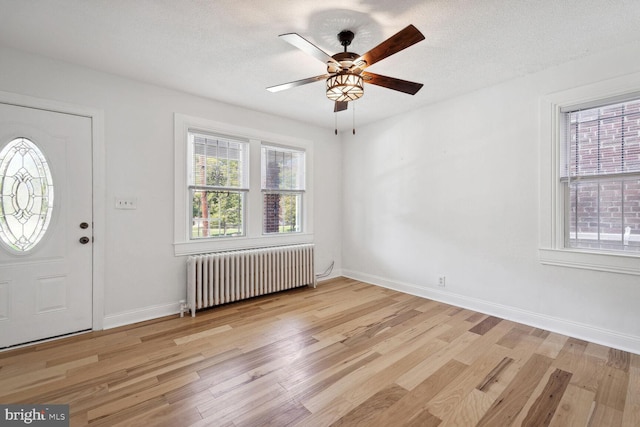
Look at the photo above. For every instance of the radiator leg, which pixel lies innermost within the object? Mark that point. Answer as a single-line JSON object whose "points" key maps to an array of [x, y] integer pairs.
{"points": [[183, 308]]}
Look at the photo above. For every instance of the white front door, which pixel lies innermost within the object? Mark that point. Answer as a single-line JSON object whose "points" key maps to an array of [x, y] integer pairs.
{"points": [[45, 224]]}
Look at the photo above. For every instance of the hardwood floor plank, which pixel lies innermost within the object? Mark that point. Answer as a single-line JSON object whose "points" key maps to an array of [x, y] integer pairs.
{"points": [[345, 353], [40, 377], [486, 325], [476, 318], [586, 370], [597, 350], [367, 411], [631, 415], [232, 406], [281, 414], [149, 393], [605, 416], [389, 340], [415, 401], [125, 415], [543, 409], [492, 376], [521, 338], [457, 325], [200, 335], [359, 385], [513, 398], [469, 411], [552, 345], [319, 383], [424, 419], [619, 359], [445, 402], [152, 370], [428, 366], [486, 342], [574, 409], [612, 389]]}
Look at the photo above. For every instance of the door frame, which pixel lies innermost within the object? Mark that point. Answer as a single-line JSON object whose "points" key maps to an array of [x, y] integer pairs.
{"points": [[98, 185]]}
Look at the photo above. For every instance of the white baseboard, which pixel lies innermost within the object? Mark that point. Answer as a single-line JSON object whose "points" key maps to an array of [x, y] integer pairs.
{"points": [[140, 315], [582, 331], [155, 311]]}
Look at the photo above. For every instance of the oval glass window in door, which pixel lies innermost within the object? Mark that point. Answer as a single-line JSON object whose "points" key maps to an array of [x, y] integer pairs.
{"points": [[26, 195]]}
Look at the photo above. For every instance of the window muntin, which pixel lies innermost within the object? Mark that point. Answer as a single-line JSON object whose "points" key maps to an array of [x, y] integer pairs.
{"points": [[26, 195], [600, 175], [283, 187], [218, 181]]}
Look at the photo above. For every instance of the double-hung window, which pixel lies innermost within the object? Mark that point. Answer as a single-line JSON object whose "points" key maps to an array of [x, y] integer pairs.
{"points": [[237, 187], [590, 176], [600, 176], [283, 187], [218, 182]]}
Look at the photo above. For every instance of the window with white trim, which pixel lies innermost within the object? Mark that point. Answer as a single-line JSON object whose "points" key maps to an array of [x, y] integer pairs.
{"points": [[582, 179], [600, 176], [220, 193], [283, 187], [218, 181]]}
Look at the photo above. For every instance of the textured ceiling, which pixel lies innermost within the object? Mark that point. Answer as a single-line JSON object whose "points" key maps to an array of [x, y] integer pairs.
{"points": [[228, 50]]}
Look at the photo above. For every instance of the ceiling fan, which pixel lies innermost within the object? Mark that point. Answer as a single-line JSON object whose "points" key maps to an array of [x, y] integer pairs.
{"points": [[345, 70]]}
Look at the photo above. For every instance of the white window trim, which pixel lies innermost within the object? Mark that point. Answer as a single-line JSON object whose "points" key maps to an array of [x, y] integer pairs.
{"points": [[253, 238], [552, 250]]}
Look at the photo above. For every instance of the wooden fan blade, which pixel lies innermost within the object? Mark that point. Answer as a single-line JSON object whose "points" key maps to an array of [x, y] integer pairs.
{"points": [[340, 106], [308, 47], [289, 85], [392, 83], [394, 44]]}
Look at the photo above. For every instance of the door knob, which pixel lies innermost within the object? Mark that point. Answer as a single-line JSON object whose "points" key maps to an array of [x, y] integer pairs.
{"points": [[84, 240], [84, 225]]}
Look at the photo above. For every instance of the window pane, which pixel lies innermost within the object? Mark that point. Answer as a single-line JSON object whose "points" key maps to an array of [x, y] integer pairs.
{"points": [[603, 140], [583, 155], [631, 149], [282, 168], [605, 215], [631, 214], [219, 162], [610, 212], [217, 214], [583, 218], [282, 212]]}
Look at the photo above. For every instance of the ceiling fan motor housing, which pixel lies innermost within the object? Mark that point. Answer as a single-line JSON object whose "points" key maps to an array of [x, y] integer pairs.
{"points": [[346, 61]]}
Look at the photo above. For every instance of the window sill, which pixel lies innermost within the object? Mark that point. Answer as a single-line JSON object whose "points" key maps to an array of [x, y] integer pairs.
{"points": [[591, 260], [236, 243]]}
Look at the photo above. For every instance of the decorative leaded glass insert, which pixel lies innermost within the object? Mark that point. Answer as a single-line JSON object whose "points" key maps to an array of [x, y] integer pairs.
{"points": [[26, 195]]}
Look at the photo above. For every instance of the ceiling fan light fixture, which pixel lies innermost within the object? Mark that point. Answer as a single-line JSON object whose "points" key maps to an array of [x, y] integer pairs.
{"points": [[344, 87]]}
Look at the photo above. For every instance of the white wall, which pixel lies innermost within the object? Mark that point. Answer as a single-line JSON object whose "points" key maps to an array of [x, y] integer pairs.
{"points": [[143, 278], [453, 189]]}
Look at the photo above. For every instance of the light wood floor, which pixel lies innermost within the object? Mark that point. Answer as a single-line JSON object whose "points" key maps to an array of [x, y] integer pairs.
{"points": [[346, 353]]}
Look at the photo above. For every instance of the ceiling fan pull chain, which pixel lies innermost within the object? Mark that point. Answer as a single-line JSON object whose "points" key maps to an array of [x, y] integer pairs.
{"points": [[335, 114], [353, 108]]}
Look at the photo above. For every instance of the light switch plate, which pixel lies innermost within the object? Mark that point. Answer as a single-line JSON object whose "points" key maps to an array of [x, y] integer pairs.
{"points": [[126, 203]]}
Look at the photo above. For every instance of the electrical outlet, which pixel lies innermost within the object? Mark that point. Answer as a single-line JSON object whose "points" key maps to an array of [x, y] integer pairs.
{"points": [[126, 203], [442, 281]]}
